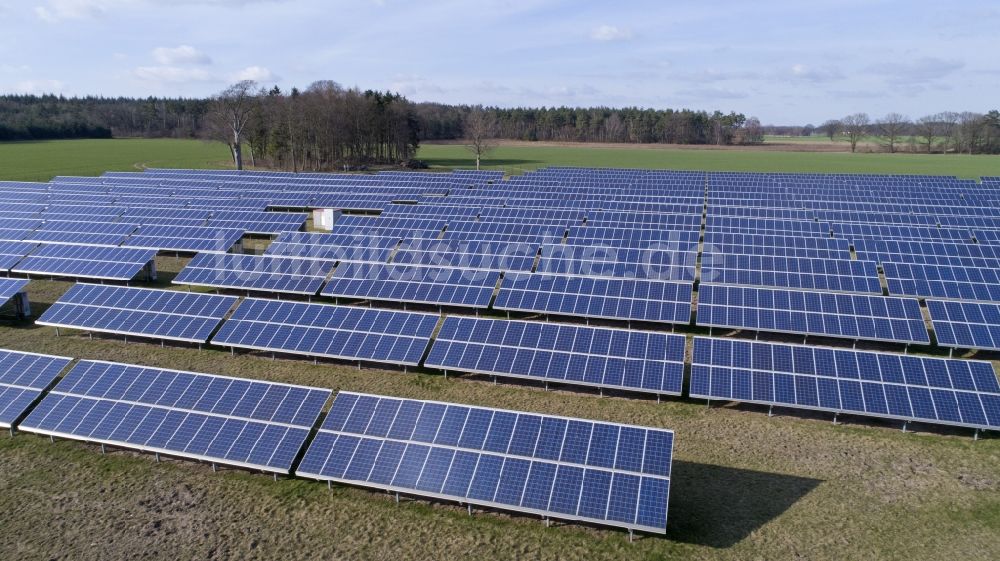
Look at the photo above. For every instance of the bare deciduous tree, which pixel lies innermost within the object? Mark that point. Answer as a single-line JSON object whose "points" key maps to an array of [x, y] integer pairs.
{"points": [[230, 111], [929, 128], [855, 127], [831, 128], [891, 128], [480, 129]]}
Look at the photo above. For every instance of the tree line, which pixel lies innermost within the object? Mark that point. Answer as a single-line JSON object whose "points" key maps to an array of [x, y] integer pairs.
{"points": [[948, 132]]}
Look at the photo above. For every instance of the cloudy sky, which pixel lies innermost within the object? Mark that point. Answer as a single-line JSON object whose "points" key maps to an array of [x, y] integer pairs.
{"points": [[784, 61]]}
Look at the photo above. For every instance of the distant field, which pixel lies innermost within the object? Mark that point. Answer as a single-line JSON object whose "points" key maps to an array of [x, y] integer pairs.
{"points": [[522, 157], [40, 161]]}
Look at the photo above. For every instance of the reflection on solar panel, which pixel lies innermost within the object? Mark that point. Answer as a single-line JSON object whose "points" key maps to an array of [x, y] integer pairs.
{"points": [[232, 421], [910, 388], [12, 252], [853, 316], [84, 261], [943, 281], [184, 238], [841, 275], [321, 330], [10, 288], [333, 247], [494, 256], [648, 263], [23, 377], [256, 272], [405, 283], [164, 314], [82, 233], [643, 300], [568, 354], [572, 469], [966, 324]]}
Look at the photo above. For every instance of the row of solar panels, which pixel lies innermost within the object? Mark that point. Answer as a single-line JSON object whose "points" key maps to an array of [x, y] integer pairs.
{"points": [[601, 357], [559, 467]]}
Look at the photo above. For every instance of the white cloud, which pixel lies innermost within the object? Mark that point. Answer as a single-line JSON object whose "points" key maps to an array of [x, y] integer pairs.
{"points": [[919, 71], [183, 54], [611, 33], [255, 73], [38, 87], [811, 74], [172, 74], [57, 10]]}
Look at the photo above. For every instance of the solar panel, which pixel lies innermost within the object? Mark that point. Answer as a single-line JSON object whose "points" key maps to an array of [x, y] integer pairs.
{"points": [[778, 246], [231, 421], [256, 272], [853, 316], [657, 263], [10, 288], [81, 233], [184, 238], [601, 357], [333, 247], [905, 387], [405, 283], [23, 378], [12, 252], [966, 324], [321, 330], [494, 256], [91, 262], [943, 281], [559, 467], [840, 275], [611, 298], [163, 314]]}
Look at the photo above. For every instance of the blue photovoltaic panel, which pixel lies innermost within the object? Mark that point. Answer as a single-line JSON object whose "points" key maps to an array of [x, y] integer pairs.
{"points": [[84, 261], [778, 246], [906, 387], [648, 263], [258, 222], [184, 238], [966, 324], [630, 299], [494, 256], [163, 314], [81, 233], [564, 468], [405, 283], [10, 287], [943, 281], [853, 316], [23, 377], [333, 247], [570, 354], [11, 253], [839, 275], [233, 421], [256, 272], [322, 330]]}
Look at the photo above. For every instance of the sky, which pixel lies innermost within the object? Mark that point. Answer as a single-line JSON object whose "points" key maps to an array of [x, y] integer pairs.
{"points": [[783, 61]]}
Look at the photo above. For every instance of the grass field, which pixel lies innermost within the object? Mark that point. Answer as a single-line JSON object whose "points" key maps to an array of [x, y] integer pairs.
{"points": [[521, 157], [745, 486], [40, 161]]}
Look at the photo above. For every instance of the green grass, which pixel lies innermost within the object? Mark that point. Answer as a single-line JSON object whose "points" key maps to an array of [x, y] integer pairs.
{"points": [[43, 160], [516, 158]]}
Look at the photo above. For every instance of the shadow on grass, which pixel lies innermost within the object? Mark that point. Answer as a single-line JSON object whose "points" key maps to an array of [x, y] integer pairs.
{"points": [[719, 506], [471, 162]]}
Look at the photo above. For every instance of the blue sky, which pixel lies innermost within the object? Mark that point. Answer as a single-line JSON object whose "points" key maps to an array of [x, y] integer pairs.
{"points": [[786, 62]]}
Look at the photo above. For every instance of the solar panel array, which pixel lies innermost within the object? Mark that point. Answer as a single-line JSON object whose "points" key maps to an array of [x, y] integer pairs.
{"points": [[852, 316], [791, 272], [320, 330], [943, 281], [162, 314], [622, 359], [966, 324], [10, 288], [905, 387], [256, 272], [89, 262], [23, 378], [405, 283], [232, 421], [573, 469]]}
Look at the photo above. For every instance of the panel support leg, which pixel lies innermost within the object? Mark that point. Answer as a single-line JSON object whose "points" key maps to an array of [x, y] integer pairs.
{"points": [[835, 418], [904, 425], [397, 498], [104, 450], [275, 476], [770, 410], [470, 509], [329, 485], [631, 536], [57, 332], [157, 455], [975, 435], [214, 468]]}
